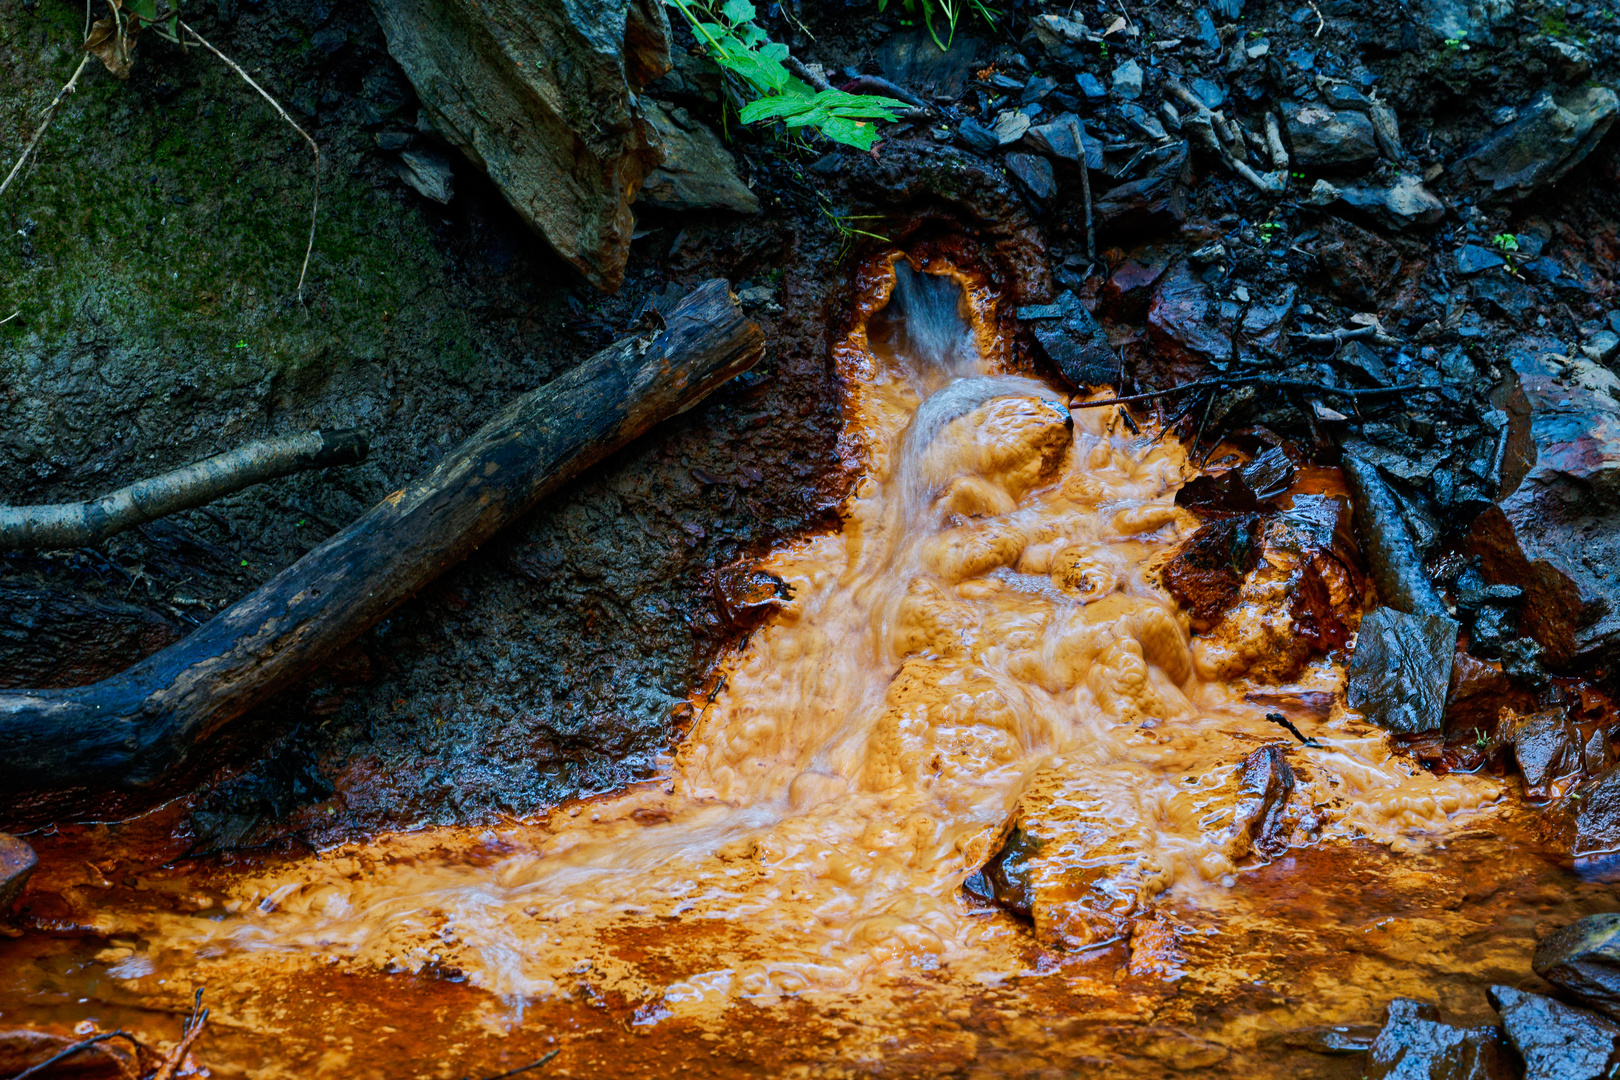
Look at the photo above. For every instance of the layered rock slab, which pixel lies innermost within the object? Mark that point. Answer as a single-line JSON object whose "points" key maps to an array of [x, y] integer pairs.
{"points": [[542, 97]]}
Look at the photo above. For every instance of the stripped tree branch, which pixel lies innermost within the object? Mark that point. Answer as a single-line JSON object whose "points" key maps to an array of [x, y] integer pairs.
{"points": [[81, 524], [72, 87], [1264, 381], [315, 200]]}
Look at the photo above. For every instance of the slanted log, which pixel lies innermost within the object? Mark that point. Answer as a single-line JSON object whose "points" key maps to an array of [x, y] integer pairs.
{"points": [[128, 730]]}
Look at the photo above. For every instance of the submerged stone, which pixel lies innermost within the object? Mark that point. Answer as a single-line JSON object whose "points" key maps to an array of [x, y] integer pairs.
{"points": [[17, 862], [1415, 1045], [1556, 1041], [1584, 959]]}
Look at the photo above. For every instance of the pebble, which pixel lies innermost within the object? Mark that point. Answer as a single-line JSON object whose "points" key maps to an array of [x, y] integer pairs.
{"points": [[1010, 126], [1128, 80], [1090, 86], [1472, 258]]}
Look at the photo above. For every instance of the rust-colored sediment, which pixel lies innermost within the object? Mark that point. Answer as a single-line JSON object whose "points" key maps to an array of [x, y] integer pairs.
{"points": [[985, 643]]}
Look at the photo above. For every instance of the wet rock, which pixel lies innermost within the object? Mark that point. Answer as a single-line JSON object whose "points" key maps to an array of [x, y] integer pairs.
{"points": [[1130, 286], [1264, 784], [1360, 265], [1399, 205], [698, 172], [1548, 750], [563, 139], [17, 862], [1333, 1038], [1326, 139], [1072, 340], [1550, 137], [1128, 80], [428, 174], [1152, 202], [1242, 489], [1064, 138], [1415, 1045], [23, 1049], [1058, 31], [1034, 173], [975, 136], [1090, 86], [1186, 313], [1556, 534], [1556, 1041], [1584, 959], [1471, 259], [1401, 669], [1474, 21], [1596, 843], [1205, 34], [1476, 696], [1004, 881], [1206, 573], [1143, 121]]}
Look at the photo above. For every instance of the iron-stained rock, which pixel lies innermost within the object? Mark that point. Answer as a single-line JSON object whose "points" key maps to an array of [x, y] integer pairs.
{"points": [[698, 172], [17, 862], [1414, 1045], [1550, 137], [543, 97], [1548, 749], [1596, 846], [1264, 784], [1584, 959], [1401, 669], [1557, 535], [1556, 1041]]}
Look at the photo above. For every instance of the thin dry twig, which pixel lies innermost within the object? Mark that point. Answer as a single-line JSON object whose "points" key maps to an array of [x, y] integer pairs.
{"points": [[1320, 22], [194, 1025], [50, 114], [525, 1068], [315, 201], [1264, 381], [35, 1070], [8, 318]]}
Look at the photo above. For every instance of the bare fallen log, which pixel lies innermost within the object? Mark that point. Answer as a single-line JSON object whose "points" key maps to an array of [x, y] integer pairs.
{"points": [[78, 524], [127, 730]]}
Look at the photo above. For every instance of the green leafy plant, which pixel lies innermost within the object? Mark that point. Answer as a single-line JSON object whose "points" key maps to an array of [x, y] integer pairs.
{"points": [[1457, 44], [743, 50], [1269, 230], [1508, 245]]}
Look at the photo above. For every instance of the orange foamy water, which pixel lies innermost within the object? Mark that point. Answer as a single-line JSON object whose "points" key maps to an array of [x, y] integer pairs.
{"points": [[984, 641]]}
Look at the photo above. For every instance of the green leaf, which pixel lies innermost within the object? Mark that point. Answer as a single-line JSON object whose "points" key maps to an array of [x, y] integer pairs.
{"points": [[738, 11], [862, 136], [778, 107], [145, 9], [751, 35]]}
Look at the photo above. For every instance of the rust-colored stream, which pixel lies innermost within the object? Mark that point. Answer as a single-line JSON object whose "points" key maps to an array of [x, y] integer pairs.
{"points": [[985, 642]]}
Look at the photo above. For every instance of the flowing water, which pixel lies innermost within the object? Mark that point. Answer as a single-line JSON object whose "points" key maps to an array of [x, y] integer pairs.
{"points": [[984, 650]]}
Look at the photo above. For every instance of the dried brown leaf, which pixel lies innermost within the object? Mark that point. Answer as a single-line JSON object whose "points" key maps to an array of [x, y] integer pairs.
{"points": [[113, 43]]}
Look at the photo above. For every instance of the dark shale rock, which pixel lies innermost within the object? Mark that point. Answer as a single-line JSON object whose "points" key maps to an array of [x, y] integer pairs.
{"points": [[543, 98], [1323, 138], [1064, 138], [1584, 959], [698, 172], [1072, 340], [1557, 535], [1596, 845], [1415, 1045], [1187, 313], [1556, 1041], [1471, 21], [1360, 265], [1207, 572], [428, 174], [1034, 173], [17, 862], [1550, 137], [1004, 881], [1548, 750], [1401, 669], [1153, 202], [1471, 259], [1399, 205]]}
